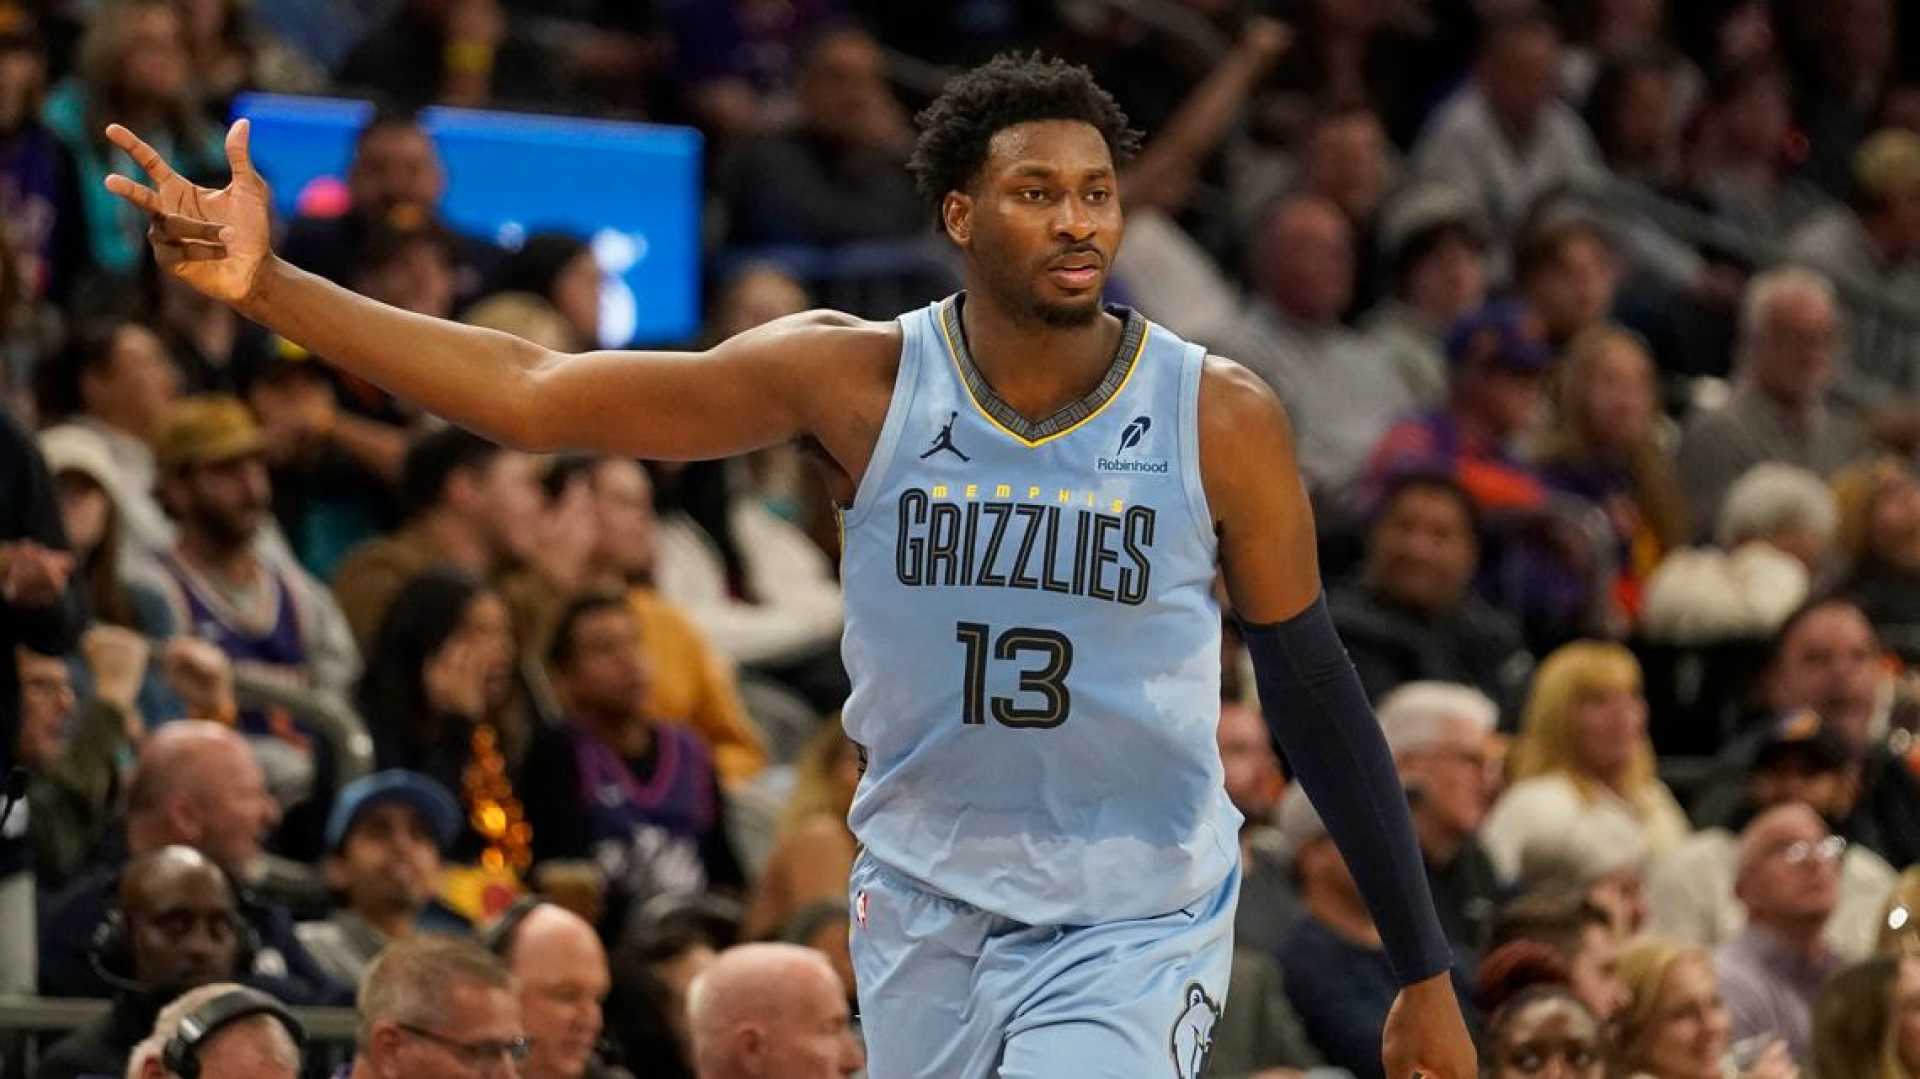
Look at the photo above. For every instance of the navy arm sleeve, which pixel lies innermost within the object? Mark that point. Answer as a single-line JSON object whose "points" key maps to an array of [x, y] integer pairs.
{"points": [[1319, 713]]}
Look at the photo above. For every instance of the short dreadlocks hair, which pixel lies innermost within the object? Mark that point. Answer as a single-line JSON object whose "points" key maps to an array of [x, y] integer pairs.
{"points": [[1007, 90]]}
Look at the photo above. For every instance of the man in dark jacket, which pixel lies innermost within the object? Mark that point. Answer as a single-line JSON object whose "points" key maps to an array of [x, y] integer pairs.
{"points": [[1410, 616], [196, 785], [178, 928]]}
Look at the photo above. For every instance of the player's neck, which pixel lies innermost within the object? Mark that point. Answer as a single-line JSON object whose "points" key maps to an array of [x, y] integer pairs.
{"points": [[1035, 367]]}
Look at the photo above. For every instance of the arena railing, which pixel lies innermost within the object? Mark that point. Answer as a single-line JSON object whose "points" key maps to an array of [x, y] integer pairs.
{"points": [[35, 1023]]}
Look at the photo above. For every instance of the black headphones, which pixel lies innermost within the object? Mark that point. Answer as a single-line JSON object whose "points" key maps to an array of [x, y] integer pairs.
{"points": [[498, 937], [111, 953], [181, 1055]]}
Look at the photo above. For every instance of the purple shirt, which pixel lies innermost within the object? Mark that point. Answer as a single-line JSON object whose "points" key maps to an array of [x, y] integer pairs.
{"points": [[1770, 987]]}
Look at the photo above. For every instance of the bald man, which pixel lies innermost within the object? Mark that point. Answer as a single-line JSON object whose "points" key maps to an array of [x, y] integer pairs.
{"points": [[1789, 879], [196, 785], [764, 1010], [561, 967], [180, 929]]}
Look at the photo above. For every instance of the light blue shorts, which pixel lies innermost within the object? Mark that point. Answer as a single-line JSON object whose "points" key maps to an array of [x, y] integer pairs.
{"points": [[948, 991]]}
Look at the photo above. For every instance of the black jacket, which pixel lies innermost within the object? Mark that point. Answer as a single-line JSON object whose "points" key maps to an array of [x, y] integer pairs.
{"points": [[1474, 644], [101, 1048], [68, 921]]}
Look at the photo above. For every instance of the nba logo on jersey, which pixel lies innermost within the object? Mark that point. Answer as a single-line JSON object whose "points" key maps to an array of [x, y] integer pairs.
{"points": [[860, 908]]}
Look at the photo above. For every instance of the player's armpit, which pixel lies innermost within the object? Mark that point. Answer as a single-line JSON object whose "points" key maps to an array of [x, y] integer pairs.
{"points": [[1258, 500]]}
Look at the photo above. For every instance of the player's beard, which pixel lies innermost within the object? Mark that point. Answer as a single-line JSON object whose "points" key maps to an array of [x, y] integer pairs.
{"points": [[1016, 289], [1067, 316]]}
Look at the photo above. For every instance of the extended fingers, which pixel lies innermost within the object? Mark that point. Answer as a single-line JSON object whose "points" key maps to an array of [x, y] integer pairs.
{"points": [[239, 159], [142, 196], [143, 155]]}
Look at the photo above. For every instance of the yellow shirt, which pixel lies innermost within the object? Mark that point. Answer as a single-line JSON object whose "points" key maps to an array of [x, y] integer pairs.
{"points": [[690, 682]]}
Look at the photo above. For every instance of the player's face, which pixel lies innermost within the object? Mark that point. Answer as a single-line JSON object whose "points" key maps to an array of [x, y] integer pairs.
{"points": [[1043, 221]]}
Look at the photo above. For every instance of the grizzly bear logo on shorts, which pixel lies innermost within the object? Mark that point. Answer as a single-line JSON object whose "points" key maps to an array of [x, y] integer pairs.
{"points": [[1193, 1033]]}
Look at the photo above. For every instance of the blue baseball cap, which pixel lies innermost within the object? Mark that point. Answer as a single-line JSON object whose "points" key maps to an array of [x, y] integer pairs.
{"points": [[423, 793], [1505, 333]]}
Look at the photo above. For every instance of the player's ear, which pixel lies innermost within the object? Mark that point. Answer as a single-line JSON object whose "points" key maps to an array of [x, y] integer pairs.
{"points": [[956, 213]]}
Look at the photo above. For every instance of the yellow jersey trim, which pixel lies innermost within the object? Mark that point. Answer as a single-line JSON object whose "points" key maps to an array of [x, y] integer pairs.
{"points": [[953, 355]]}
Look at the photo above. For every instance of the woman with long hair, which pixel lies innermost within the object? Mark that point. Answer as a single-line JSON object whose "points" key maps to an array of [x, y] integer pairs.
{"points": [[1582, 751], [813, 849], [1605, 447], [1866, 1022], [87, 488], [440, 667], [1675, 1025], [133, 68]]}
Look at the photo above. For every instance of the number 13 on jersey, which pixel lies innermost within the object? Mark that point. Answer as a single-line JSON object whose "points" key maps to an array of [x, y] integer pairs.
{"points": [[1045, 700]]}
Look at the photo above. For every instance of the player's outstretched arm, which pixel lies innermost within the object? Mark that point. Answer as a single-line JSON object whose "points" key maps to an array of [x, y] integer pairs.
{"points": [[742, 395], [1317, 709]]}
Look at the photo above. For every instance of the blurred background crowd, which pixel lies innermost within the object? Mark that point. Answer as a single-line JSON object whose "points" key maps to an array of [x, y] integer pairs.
{"points": [[1599, 328]]}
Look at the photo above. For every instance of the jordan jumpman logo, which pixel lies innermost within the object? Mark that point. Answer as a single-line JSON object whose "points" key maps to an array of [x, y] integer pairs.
{"points": [[944, 441]]}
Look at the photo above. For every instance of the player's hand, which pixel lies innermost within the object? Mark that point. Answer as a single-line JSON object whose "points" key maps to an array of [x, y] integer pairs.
{"points": [[212, 240], [1425, 1035]]}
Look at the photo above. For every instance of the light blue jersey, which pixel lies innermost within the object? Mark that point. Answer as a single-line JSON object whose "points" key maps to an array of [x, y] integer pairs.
{"points": [[1033, 640]]}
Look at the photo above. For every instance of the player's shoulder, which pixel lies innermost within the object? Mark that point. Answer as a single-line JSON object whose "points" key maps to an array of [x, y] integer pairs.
{"points": [[836, 331], [1233, 397]]}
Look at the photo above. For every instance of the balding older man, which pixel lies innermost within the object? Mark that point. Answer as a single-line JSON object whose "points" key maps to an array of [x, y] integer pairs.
{"points": [[561, 967], [196, 785], [1789, 878], [764, 1010]]}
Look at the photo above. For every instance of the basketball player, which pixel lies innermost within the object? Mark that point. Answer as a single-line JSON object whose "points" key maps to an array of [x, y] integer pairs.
{"points": [[1037, 490]]}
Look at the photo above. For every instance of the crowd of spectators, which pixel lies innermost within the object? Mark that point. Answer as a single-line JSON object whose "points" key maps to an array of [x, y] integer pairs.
{"points": [[1599, 326]]}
